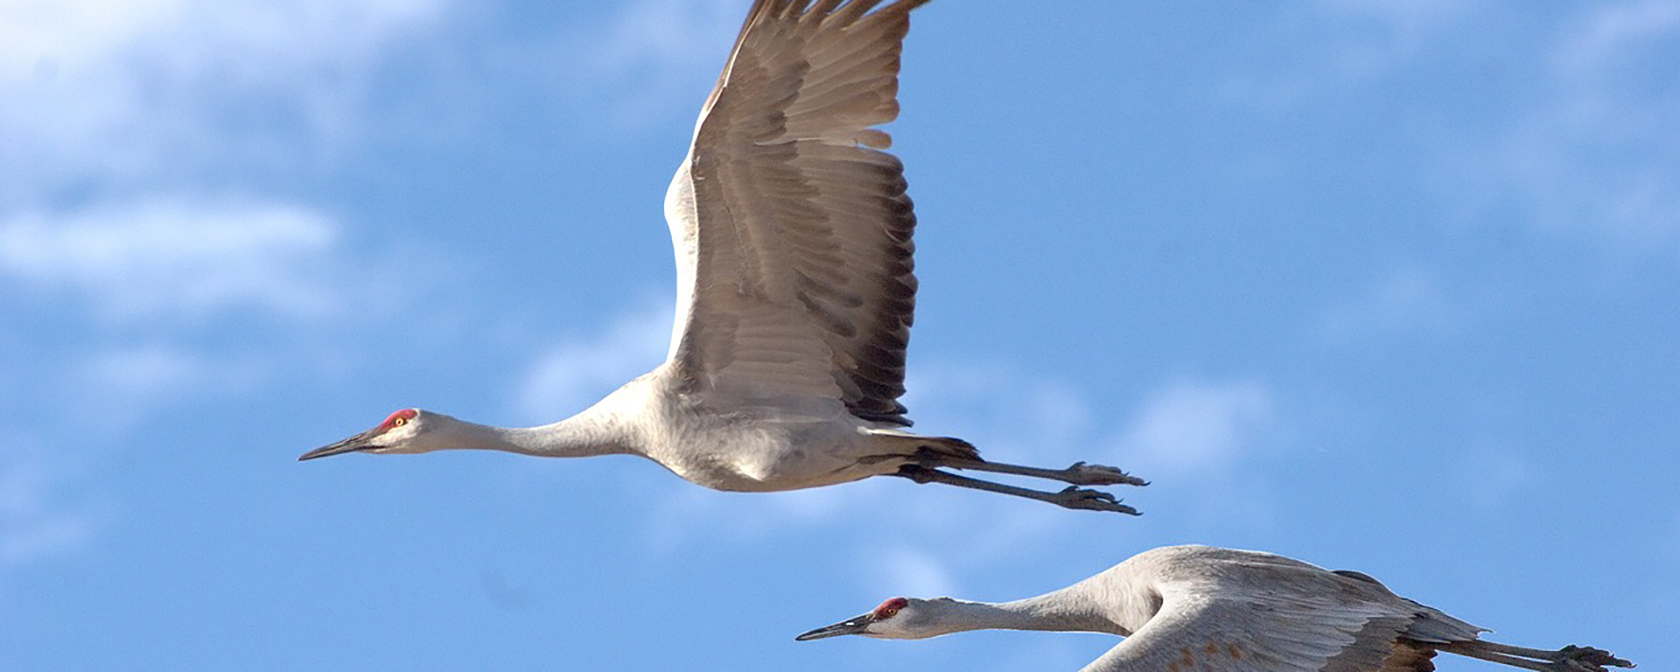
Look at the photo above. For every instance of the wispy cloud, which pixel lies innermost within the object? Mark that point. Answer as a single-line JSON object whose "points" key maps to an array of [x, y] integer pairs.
{"points": [[1579, 142], [175, 258], [128, 382], [138, 90], [914, 571], [1385, 34], [1203, 443], [581, 369], [651, 57], [1010, 413], [1601, 155], [1494, 477], [1191, 426], [1405, 302], [35, 522], [1330, 44], [1604, 38]]}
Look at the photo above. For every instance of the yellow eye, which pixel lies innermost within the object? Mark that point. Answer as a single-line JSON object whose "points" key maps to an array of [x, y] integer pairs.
{"points": [[399, 422]]}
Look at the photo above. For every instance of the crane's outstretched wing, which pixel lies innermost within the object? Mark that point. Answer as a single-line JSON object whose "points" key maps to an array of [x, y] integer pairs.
{"points": [[1306, 621], [791, 224]]}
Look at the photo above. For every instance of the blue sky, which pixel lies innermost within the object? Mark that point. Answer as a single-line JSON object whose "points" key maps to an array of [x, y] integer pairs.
{"points": [[1386, 286]]}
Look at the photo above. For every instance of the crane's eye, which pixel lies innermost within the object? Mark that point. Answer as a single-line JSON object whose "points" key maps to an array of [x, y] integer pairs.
{"points": [[890, 608], [396, 420]]}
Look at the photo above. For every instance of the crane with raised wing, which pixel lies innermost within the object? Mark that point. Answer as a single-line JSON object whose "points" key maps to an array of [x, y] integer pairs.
{"points": [[795, 288]]}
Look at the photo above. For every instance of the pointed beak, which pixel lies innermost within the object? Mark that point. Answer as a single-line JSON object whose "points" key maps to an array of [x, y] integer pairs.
{"points": [[851, 626], [358, 442]]}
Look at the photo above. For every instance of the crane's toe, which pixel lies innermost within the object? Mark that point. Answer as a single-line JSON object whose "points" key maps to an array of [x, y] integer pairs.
{"points": [[1096, 474], [1075, 497], [1588, 659]]}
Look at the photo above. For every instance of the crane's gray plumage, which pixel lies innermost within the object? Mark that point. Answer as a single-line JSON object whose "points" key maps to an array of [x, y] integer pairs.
{"points": [[796, 218], [795, 287], [1205, 609]]}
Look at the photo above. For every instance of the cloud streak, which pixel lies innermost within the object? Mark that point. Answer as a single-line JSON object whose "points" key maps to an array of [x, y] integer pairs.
{"points": [[1406, 302], [154, 88], [34, 523], [1191, 426], [175, 258], [653, 56], [582, 369], [1601, 154]]}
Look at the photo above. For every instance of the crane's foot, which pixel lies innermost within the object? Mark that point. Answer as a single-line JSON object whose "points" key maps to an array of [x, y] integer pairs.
{"points": [[1096, 474], [1075, 497], [1567, 659], [1574, 658]]}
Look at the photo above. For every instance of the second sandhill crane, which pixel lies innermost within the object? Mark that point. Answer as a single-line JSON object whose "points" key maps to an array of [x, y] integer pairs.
{"points": [[1191, 608], [795, 291]]}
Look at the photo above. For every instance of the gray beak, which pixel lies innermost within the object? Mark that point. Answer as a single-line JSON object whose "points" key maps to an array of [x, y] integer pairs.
{"points": [[851, 626], [358, 442]]}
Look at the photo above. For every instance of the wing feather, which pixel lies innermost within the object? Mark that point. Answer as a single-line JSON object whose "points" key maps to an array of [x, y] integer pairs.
{"points": [[1293, 619], [792, 228]]}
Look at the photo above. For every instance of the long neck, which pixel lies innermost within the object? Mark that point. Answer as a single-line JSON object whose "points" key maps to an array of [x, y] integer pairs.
{"points": [[1059, 611], [586, 434]]}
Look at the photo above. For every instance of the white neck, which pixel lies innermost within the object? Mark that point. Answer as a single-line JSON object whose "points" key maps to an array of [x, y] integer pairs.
{"points": [[1059, 611], [583, 435]]}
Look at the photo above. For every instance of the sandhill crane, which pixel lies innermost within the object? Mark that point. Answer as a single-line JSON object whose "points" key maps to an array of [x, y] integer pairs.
{"points": [[1189, 608], [795, 288]]}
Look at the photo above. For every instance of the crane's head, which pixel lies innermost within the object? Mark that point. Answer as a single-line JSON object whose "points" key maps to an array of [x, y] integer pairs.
{"points": [[897, 618], [405, 431]]}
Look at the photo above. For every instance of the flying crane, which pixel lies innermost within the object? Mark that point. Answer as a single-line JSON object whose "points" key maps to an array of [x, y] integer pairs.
{"points": [[795, 288], [1189, 608]]}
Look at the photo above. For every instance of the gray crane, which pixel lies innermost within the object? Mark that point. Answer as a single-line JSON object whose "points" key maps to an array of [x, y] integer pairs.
{"points": [[795, 290], [1200, 608]]}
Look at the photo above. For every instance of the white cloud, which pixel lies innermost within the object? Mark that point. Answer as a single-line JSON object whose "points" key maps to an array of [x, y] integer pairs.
{"points": [[1608, 34], [152, 370], [1602, 154], [1010, 414], [174, 259], [1402, 30], [581, 370], [674, 523], [912, 571], [127, 382], [1195, 426], [1337, 42], [136, 89], [34, 522], [1496, 477], [1578, 141], [1405, 302], [652, 56]]}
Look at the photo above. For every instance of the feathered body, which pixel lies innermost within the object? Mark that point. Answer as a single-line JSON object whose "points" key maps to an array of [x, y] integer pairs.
{"points": [[794, 242], [1207, 609]]}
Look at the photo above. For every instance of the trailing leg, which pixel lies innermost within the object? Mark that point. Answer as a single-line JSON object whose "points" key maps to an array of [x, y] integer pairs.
{"points": [[1567, 659], [1073, 497], [1078, 474]]}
